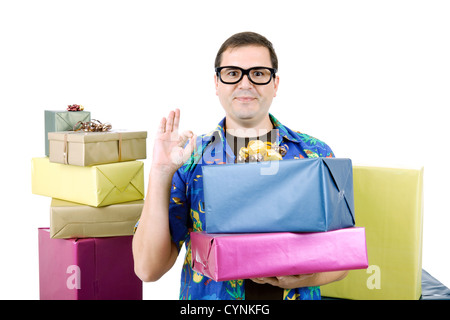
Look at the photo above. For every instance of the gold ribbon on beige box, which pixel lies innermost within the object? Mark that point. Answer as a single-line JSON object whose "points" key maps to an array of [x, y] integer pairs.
{"points": [[91, 126]]}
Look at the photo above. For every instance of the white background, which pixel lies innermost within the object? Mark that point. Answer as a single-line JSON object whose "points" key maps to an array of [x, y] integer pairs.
{"points": [[370, 78]]}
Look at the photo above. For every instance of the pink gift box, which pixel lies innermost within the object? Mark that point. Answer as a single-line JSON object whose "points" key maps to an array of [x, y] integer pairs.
{"points": [[87, 269], [241, 256]]}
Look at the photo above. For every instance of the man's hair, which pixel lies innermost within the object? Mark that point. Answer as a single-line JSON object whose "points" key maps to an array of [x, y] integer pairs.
{"points": [[243, 39]]}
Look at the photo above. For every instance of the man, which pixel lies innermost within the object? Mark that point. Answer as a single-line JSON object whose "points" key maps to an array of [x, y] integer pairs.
{"points": [[246, 84]]}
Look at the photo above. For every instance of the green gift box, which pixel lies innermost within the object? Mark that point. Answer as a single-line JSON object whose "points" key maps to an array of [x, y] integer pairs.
{"points": [[62, 121]]}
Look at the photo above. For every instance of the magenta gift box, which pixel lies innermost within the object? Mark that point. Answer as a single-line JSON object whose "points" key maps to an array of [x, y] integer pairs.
{"points": [[87, 269], [242, 256]]}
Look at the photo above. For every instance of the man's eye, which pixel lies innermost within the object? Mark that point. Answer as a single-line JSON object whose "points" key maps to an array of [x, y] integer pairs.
{"points": [[259, 73], [232, 73]]}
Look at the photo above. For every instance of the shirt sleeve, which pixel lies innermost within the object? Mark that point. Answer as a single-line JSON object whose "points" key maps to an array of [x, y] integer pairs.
{"points": [[179, 208], [314, 147], [326, 151]]}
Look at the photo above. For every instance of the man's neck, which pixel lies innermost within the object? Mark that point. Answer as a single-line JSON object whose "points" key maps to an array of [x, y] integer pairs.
{"points": [[248, 131]]}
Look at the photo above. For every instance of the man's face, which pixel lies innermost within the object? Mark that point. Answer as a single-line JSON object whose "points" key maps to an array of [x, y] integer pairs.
{"points": [[245, 103]]}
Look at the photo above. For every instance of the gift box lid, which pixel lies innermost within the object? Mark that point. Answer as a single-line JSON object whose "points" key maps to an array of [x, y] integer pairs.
{"points": [[58, 120], [87, 137]]}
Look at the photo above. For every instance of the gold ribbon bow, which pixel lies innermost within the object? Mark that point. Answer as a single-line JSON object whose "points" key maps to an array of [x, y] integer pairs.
{"points": [[92, 126], [258, 150]]}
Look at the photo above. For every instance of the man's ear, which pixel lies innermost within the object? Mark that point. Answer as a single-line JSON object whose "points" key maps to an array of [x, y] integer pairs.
{"points": [[216, 82], [275, 83]]}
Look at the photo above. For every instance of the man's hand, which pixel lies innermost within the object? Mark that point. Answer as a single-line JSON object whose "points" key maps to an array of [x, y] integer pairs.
{"points": [[169, 150], [287, 282]]}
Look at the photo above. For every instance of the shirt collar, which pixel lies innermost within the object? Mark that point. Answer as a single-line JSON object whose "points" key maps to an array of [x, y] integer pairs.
{"points": [[283, 132], [218, 135], [216, 139]]}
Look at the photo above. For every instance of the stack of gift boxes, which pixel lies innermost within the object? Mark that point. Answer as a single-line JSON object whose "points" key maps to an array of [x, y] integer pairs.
{"points": [[97, 188], [314, 215], [278, 218]]}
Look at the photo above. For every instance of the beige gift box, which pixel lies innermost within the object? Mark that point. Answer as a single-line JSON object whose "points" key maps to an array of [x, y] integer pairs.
{"points": [[74, 220], [81, 148]]}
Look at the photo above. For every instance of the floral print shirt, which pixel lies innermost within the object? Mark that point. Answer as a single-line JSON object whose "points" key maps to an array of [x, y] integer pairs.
{"points": [[187, 207]]}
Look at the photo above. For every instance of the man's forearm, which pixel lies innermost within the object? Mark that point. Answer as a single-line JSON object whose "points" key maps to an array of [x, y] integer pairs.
{"points": [[153, 251], [322, 278], [303, 280]]}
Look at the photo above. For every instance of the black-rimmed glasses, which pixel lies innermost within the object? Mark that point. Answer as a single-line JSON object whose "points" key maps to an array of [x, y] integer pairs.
{"points": [[257, 75]]}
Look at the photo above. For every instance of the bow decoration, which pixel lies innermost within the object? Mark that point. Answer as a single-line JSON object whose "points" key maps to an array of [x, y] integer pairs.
{"points": [[258, 150], [92, 126], [75, 107]]}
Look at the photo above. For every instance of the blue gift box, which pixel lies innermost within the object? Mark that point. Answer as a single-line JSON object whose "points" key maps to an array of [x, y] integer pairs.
{"points": [[305, 195]]}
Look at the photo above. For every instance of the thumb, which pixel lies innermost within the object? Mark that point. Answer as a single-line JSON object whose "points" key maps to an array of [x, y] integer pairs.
{"points": [[184, 138], [190, 148]]}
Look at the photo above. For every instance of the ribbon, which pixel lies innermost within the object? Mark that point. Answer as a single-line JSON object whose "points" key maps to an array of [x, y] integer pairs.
{"points": [[75, 107], [92, 126], [258, 150], [65, 153], [120, 147]]}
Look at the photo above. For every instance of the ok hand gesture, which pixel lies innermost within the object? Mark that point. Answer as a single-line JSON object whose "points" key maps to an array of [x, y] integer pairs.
{"points": [[170, 150]]}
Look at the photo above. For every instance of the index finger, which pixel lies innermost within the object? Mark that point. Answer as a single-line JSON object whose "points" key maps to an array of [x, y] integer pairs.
{"points": [[176, 120]]}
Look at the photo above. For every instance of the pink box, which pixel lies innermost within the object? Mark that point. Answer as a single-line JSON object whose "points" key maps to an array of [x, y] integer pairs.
{"points": [[87, 269], [242, 256]]}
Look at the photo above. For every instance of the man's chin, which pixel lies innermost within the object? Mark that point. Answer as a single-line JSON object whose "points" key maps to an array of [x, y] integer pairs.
{"points": [[246, 117], [246, 112]]}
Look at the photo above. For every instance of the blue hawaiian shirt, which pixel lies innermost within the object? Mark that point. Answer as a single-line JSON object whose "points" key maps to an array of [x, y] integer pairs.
{"points": [[187, 208]]}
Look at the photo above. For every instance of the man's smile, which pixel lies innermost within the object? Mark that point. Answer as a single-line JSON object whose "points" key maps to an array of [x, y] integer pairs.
{"points": [[245, 99]]}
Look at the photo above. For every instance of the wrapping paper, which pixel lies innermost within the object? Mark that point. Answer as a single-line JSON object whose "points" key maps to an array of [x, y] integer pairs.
{"points": [[305, 195], [73, 220], [242, 256], [91, 148], [87, 269], [62, 121], [389, 205], [433, 289], [95, 186]]}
